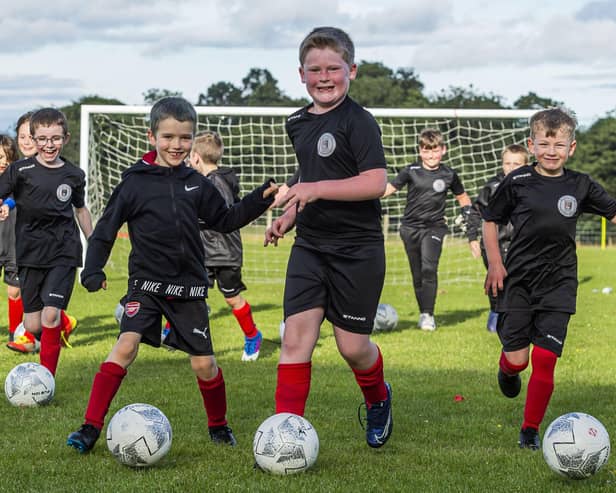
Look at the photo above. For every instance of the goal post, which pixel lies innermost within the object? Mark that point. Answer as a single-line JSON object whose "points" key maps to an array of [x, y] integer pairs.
{"points": [[256, 147]]}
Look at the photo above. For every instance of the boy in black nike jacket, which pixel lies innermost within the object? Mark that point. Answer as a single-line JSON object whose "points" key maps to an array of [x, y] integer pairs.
{"points": [[163, 201]]}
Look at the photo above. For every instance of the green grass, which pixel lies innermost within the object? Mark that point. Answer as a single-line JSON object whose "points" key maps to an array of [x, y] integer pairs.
{"points": [[438, 445]]}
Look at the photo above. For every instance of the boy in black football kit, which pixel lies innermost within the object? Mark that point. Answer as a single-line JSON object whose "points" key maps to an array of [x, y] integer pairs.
{"points": [[423, 227], [536, 288], [163, 202], [49, 194], [336, 267], [224, 252], [513, 156]]}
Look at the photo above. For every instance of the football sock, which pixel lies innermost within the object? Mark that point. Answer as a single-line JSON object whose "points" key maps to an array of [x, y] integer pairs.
{"points": [[292, 387], [509, 368], [50, 348], [244, 318], [104, 388], [214, 399], [16, 313], [540, 387], [371, 381]]}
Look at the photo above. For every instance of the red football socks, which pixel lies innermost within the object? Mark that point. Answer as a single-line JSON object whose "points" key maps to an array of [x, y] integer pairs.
{"points": [[214, 399], [509, 368], [16, 313], [104, 388], [244, 318], [540, 387], [50, 348], [371, 381], [292, 387]]}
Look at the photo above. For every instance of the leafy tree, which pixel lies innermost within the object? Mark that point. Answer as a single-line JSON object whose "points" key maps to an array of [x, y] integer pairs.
{"points": [[73, 115], [461, 97], [154, 94], [221, 94], [260, 88], [532, 101]]}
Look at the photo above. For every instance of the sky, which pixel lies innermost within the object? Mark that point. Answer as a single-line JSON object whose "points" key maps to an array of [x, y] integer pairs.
{"points": [[53, 53]]}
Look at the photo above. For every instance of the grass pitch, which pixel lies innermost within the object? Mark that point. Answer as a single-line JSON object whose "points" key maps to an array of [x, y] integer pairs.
{"points": [[440, 443]]}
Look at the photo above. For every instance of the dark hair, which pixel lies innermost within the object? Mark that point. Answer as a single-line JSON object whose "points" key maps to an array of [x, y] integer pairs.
{"points": [[10, 148], [46, 117], [552, 120], [172, 107], [328, 37]]}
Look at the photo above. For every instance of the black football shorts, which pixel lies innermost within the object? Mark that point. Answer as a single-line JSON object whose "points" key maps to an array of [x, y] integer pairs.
{"points": [[545, 329], [51, 286]]}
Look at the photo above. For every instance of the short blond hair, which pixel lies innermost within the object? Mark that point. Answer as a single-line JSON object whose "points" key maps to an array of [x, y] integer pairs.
{"points": [[551, 120], [208, 145], [516, 149], [430, 138]]}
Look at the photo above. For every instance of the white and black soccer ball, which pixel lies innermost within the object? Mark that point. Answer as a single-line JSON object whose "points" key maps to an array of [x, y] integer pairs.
{"points": [[386, 318], [29, 384], [285, 443], [139, 435], [118, 312], [281, 328], [576, 445]]}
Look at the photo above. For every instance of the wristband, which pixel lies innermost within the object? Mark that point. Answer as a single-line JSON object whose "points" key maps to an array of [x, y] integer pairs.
{"points": [[10, 202]]}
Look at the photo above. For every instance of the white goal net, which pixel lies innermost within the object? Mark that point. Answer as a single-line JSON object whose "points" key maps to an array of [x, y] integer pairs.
{"points": [[256, 147]]}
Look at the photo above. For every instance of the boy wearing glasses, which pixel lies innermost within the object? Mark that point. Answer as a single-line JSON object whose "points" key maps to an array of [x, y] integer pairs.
{"points": [[49, 193]]}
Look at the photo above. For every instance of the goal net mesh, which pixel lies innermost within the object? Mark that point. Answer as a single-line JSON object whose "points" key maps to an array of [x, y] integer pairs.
{"points": [[256, 147]]}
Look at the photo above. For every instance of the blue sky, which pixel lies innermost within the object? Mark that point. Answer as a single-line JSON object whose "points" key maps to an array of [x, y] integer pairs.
{"points": [[52, 54]]}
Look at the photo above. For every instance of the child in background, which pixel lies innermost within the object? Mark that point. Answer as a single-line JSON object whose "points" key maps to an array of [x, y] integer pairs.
{"points": [[336, 267], [164, 202], [423, 227], [536, 288], [513, 156], [27, 342], [8, 155], [223, 252], [49, 194]]}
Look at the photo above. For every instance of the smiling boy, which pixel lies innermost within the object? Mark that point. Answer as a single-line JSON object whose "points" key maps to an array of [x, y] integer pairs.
{"points": [[49, 194]]}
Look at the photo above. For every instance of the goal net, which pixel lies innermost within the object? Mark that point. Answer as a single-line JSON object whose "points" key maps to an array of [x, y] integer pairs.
{"points": [[256, 147]]}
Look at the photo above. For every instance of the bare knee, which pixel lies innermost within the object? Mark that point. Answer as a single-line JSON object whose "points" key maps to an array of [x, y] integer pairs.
{"points": [[204, 367]]}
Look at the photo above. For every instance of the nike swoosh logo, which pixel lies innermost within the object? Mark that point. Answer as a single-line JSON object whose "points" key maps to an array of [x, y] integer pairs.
{"points": [[190, 189]]}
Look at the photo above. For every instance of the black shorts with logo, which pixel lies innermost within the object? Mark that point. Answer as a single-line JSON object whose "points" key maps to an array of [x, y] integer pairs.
{"points": [[228, 279], [188, 318], [51, 286], [345, 280], [546, 329]]}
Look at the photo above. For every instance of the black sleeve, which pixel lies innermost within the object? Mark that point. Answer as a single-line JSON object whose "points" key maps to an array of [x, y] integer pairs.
{"points": [[473, 224], [294, 179], [401, 179], [216, 215], [456, 185]]}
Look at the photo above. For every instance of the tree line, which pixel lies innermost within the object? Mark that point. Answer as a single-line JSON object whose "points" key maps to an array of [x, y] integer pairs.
{"points": [[378, 86]]}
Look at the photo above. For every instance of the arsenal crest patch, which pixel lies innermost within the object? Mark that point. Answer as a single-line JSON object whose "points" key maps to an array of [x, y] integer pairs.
{"points": [[132, 308]]}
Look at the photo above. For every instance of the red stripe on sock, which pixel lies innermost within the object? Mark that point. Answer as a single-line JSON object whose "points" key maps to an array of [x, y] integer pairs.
{"points": [[244, 318], [540, 387], [293, 387], [104, 388], [371, 381], [214, 399]]}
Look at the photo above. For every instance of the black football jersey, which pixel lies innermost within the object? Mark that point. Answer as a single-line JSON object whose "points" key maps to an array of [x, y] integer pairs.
{"points": [[542, 261], [335, 145], [46, 232], [427, 193]]}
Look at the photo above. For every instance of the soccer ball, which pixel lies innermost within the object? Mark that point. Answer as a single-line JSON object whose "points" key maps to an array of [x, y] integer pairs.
{"points": [[285, 443], [281, 328], [29, 384], [139, 435], [576, 445], [386, 318], [118, 312]]}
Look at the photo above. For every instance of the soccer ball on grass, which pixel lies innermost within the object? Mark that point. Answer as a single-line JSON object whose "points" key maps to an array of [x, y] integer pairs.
{"points": [[576, 445], [139, 435], [29, 384], [285, 443], [386, 318]]}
